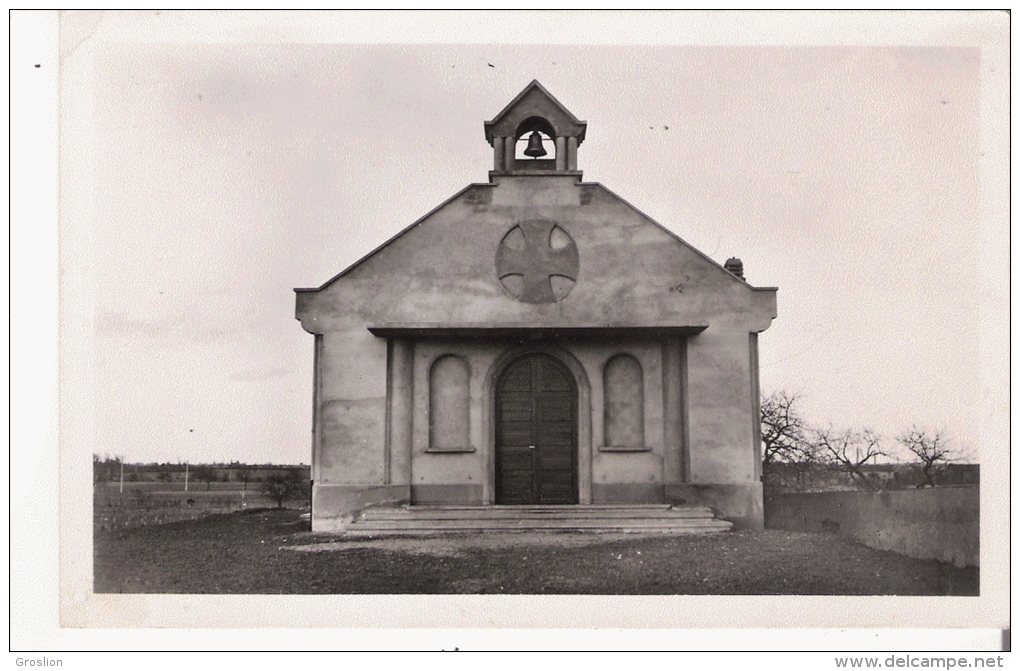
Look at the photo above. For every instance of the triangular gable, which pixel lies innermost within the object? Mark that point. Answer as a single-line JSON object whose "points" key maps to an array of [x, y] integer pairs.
{"points": [[390, 241], [712, 262], [683, 242]]}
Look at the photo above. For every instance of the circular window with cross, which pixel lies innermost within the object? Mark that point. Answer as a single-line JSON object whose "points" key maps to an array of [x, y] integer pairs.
{"points": [[537, 262]]}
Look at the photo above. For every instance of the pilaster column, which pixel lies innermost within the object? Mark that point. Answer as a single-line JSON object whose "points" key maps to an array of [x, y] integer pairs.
{"points": [[497, 152], [561, 153], [508, 152], [672, 412], [571, 153], [400, 409], [756, 406]]}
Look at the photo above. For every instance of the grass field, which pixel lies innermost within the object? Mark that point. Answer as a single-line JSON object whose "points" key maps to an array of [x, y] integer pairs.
{"points": [[271, 552], [148, 503]]}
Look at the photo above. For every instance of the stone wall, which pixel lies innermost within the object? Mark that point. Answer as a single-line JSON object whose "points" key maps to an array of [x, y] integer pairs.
{"points": [[940, 523]]}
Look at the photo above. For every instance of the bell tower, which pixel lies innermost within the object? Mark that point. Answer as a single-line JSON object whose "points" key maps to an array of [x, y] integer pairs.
{"points": [[535, 133]]}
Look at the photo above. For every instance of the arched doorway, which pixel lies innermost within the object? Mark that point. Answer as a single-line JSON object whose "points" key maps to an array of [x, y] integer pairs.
{"points": [[536, 433]]}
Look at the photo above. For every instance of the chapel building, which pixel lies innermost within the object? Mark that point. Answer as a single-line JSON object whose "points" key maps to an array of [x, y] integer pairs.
{"points": [[536, 340]]}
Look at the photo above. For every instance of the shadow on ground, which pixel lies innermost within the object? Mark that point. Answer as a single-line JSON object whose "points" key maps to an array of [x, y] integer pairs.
{"points": [[270, 552]]}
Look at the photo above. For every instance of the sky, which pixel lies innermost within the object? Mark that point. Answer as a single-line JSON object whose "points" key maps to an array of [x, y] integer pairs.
{"points": [[213, 176]]}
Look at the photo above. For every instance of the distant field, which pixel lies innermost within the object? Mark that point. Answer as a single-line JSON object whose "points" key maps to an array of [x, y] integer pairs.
{"points": [[148, 503], [194, 487]]}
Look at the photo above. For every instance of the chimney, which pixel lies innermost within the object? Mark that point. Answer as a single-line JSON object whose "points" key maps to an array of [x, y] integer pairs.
{"points": [[735, 266]]}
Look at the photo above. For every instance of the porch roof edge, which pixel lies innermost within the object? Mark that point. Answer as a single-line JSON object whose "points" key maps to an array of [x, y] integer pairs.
{"points": [[476, 330]]}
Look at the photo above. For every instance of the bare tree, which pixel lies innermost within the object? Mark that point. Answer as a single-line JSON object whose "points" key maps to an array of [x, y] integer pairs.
{"points": [[849, 450], [784, 439], [206, 474], [783, 430], [106, 469], [933, 450], [244, 475], [282, 486]]}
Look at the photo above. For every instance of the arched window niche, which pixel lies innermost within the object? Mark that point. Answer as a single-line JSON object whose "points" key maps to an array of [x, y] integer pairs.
{"points": [[624, 402], [449, 405]]}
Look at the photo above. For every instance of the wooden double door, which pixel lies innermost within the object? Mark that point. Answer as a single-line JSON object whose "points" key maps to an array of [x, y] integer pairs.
{"points": [[536, 433]]}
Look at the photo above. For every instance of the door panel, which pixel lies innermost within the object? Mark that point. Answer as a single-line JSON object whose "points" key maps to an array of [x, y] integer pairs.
{"points": [[536, 433], [556, 410]]}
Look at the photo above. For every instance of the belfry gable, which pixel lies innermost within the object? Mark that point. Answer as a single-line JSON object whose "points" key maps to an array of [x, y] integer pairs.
{"points": [[534, 103]]}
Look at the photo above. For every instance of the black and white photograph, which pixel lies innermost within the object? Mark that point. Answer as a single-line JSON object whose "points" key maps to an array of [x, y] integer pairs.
{"points": [[378, 319]]}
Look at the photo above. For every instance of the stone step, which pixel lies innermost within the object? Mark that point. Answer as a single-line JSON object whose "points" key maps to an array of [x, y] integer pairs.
{"points": [[603, 518], [717, 526], [501, 512], [538, 523], [588, 521], [586, 506]]}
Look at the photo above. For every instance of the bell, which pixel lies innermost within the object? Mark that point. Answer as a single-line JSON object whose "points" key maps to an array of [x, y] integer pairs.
{"points": [[535, 148]]}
